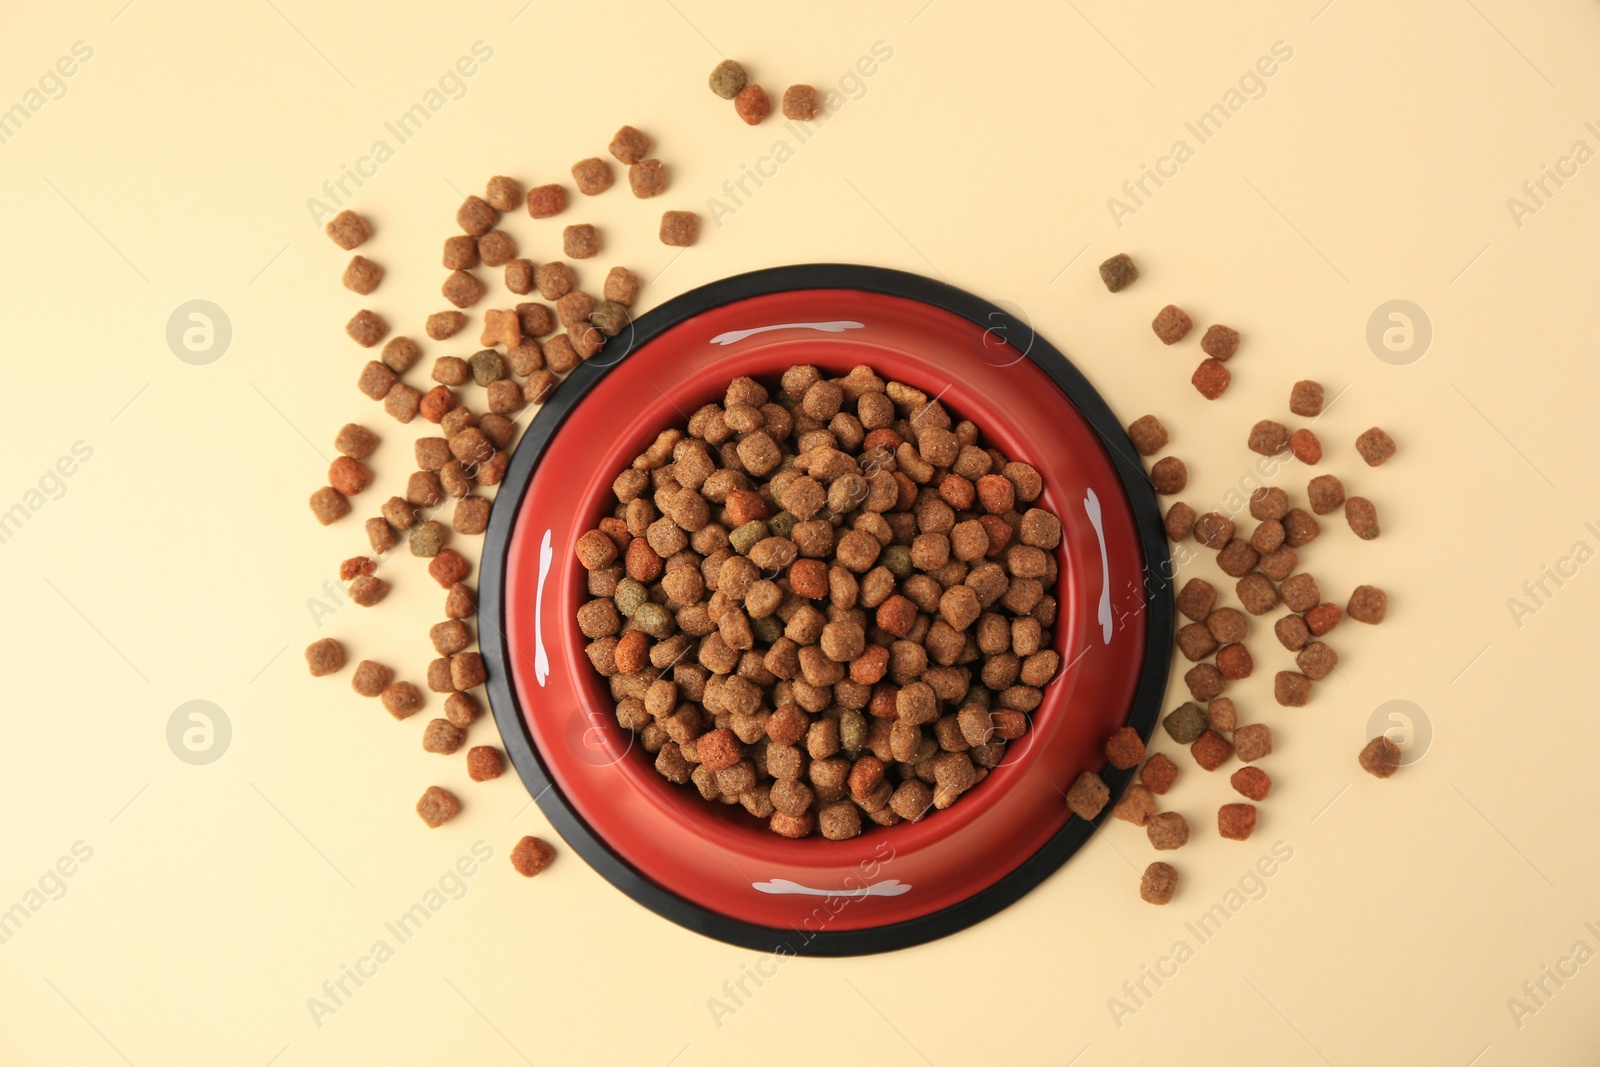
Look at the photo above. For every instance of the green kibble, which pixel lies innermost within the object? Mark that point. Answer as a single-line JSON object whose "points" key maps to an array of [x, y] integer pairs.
{"points": [[630, 594], [852, 730], [1186, 723], [767, 630], [781, 524], [427, 538], [728, 79], [609, 317], [487, 367], [898, 559], [746, 535], [654, 620]]}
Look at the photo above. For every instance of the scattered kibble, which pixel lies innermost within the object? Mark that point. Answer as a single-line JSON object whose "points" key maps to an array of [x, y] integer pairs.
{"points": [[1172, 324], [1119, 272], [483, 763], [1362, 516], [362, 275], [679, 228], [1268, 438], [1253, 742], [545, 201], [1088, 795], [1148, 435], [532, 855], [580, 242], [1381, 757], [1211, 378], [1220, 342], [1167, 831], [592, 176], [1326, 494], [370, 678], [1375, 446], [728, 79], [647, 178], [329, 505], [1159, 773], [1305, 398], [1252, 782], [801, 102], [366, 328], [437, 806], [1368, 604], [1305, 446], [325, 656], [348, 230], [752, 104], [1169, 475], [1158, 883], [1236, 822]]}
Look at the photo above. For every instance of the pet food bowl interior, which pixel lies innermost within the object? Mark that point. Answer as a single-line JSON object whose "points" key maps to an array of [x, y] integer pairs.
{"points": [[715, 868]]}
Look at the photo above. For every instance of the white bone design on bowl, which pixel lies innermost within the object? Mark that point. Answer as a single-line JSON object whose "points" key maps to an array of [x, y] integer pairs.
{"points": [[734, 336], [1091, 504], [541, 659], [783, 887]]}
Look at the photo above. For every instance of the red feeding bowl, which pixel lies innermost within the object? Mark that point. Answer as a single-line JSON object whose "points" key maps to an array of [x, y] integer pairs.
{"points": [[715, 868]]}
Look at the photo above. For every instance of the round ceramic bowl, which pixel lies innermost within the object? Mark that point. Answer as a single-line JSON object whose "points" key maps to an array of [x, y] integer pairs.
{"points": [[715, 868]]}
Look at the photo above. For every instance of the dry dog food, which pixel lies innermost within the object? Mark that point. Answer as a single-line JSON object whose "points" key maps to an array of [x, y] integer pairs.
{"points": [[592, 176], [1322, 618], [1279, 563], [1253, 742], [1159, 773], [1211, 378], [442, 325], [928, 649], [476, 216], [1124, 748], [1088, 795], [1269, 503], [1292, 632], [1222, 715], [401, 699], [1196, 599], [728, 79], [1305, 446], [1326, 493], [752, 104], [1211, 750], [648, 178], [1300, 592], [1195, 642], [437, 806], [1291, 689], [503, 193], [1235, 662], [443, 737], [462, 289], [630, 145], [1172, 324], [460, 252], [1362, 516], [1300, 528], [580, 242], [371, 679], [1267, 536], [679, 228], [324, 657], [1236, 822], [1214, 530], [545, 201], [366, 328], [1375, 447], [1118, 272], [801, 102], [362, 275], [1137, 805], [1179, 521], [1316, 660], [1184, 724], [1158, 883], [1169, 475], [400, 354], [1255, 592], [1368, 604], [1237, 558], [1252, 782], [1148, 435], [496, 248], [1380, 758], [1220, 342], [483, 763], [1167, 831], [532, 855], [1228, 625], [348, 476], [366, 590], [1305, 398], [329, 505], [348, 230], [1268, 438]]}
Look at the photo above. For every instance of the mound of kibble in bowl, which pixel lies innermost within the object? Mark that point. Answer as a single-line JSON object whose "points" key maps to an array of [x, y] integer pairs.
{"points": [[826, 601]]}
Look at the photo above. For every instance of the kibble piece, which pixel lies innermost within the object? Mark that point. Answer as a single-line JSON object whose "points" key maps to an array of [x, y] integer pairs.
{"points": [[1169, 475], [400, 354], [348, 230], [471, 515], [1118, 272], [496, 248], [466, 670], [1326, 493], [630, 145], [728, 79], [1368, 604], [362, 275], [442, 737], [483, 763], [1236, 822], [329, 505], [380, 535], [519, 276], [1269, 503], [1279, 563], [1214, 530], [1148, 435], [460, 252], [366, 328], [560, 355], [545, 201], [1375, 447], [1220, 342], [324, 657], [1252, 782], [371, 679], [1211, 378], [1381, 757], [752, 104], [1316, 660], [592, 176], [1211, 750], [532, 855], [1305, 446], [1268, 438], [1137, 805], [1291, 688], [1300, 592], [349, 476], [1322, 618], [1268, 536], [1172, 324], [1159, 773], [503, 193], [437, 806], [1222, 715], [448, 568], [622, 286], [401, 699], [1300, 528], [647, 178], [367, 590], [1235, 662], [1088, 795], [1362, 516], [476, 216], [451, 370], [1158, 883], [1255, 592], [1292, 632], [1124, 748], [442, 325], [580, 242], [1305, 398], [555, 280], [679, 228], [1195, 642], [1228, 625], [462, 289], [1253, 742], [1183, 725], [1237, 558], [1179, 521], [1205, 681], [1167, 831]]}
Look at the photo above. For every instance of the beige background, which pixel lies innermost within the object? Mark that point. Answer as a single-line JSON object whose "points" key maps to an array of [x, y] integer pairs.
{"points": [[179, 562]]}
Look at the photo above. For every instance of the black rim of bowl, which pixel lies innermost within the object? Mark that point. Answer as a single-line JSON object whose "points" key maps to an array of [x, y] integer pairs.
{"points": [[1158, 610]]}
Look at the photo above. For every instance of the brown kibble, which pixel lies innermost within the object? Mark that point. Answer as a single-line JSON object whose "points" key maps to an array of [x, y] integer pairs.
{"points": [[1158, 773], [466, 670], [476, 216], [1252, 782], [1167, 831], [1326, 493], [1375, 447], [460, 252], [1195, 642], [503, 193], [1205, 682], [545, 201], [1268, 536], [1220, 343], [1235, 662], [362, 275], [1211, 750], [1269, 503], [1158, 883], [442, 737], [1292, 632], [1253, 742], [448, 568], [1255, 592], [461, 709], [348, 476], [1305, 398], [1179, 521], [679, 228], [1291, 688], [483, 763], [496, 248], [329, 505], [1268, 438], [580, 242], [1362, 516], [1124, 748], [1300, 592], [348, 230], [1316, 660], [371, 679], [1088, 795], [1214, 530], [1236, 822], [622, 286], [437, 806], [1381, 757], [1148, 435], [1172, 324], [801, 102], [1322, 618], [752, 104], [324, 657], [1211, 378], [1237, 558], [462, 289], [1119, 272], [647, 178], [401, 699], [1368, 604], [1227, 625], [1222, 716], [367, 591], [532, 855], [1306, 448], [630, 145], [554, 280], [1137, 805], [592, 176], [1300, 528], [366, 328], [1169, 475], [1279, 563], [442, 325]]}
